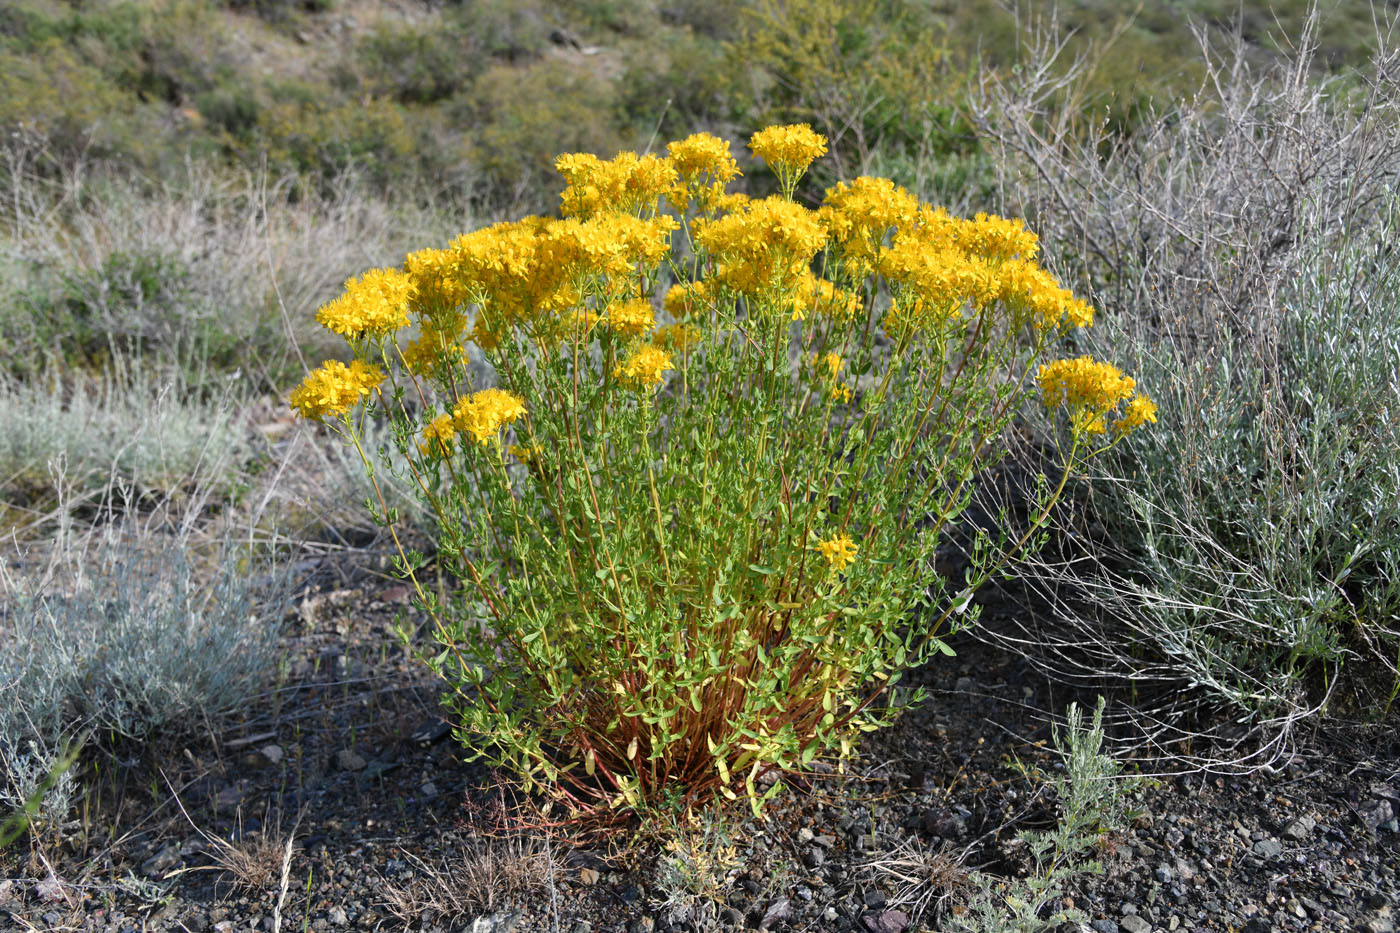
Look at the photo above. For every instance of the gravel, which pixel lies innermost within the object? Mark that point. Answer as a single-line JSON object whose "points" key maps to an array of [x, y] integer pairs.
{"points": [[378, 799]]}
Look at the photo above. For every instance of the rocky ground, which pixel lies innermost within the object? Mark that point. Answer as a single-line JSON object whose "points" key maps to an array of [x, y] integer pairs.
{"points": [[341, 802]]}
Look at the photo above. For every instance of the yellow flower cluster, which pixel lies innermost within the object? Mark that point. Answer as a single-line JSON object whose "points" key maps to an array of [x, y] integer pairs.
{"points": [[764, 245], [839, 551], [1030, 291], [996, 238], [373, 305], [629, 183], [686, 300], [630, 318], [483, 414], [940, 264], [437, 436], [1139, 411], [860, 214], [1091, 389], [679, 337], [705, 167], [788, 150], [437, 291], [532, 453], [334, 388], [643, 367], [832, 362], [824, 297]]}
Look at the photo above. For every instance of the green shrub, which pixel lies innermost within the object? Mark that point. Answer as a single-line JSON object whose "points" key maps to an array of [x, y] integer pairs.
{"points": [[875, 76], [706, 554], [519, 117], [414, 65]]}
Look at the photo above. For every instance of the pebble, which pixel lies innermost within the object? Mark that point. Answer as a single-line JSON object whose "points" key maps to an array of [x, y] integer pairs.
{"points": [[336, 915], [502, 921], [780, 909], [1299, 829], [347, 760], [1132, 923], [890, 921], [1376, 812], [1104, 926], [1268, 848], [273, 753]]}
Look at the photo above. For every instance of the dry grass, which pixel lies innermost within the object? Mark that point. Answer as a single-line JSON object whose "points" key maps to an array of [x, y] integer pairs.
{"points": [[484, 874]]}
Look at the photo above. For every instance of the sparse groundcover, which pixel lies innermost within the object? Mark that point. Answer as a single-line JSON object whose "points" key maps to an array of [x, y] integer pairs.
{"points": [[1241, 244], [126, 643]]}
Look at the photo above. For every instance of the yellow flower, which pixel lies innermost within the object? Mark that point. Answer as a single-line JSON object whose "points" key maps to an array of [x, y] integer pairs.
{"points": [[643, 367], [858, 214], [679, 337], [705, 166], [432, 347], [334, 388], [839, 551], [532, 453], [684, 300], [832, 362], [1089, 389], [763, 245], [1139, 411], [630, 318], [996, 237], [375, 304], [841, 392], [484, 413], [629, 183], [437, 436], [788, 150]]}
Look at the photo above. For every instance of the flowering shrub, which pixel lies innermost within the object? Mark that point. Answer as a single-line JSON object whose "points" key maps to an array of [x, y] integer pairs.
{"points": [[696, 551]]}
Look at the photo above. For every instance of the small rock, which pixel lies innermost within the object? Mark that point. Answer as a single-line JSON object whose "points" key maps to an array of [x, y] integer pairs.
{"points": [[430, 731], [502, 921], [1268, 848], [890, 921], [157, 865], [1163, 874], [588, 875], [780, 909], [815, 857], [1376, 812], [941, 821], [1132, 923], [1379, 925], [1299, 829], [731, 917], [804, 836], [50, 889], [428, 790], [336, 915], [642, 925], [964, 685], [228, 798], [1104, 926], [1258, 925], [347, 760], [273, 753]]}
